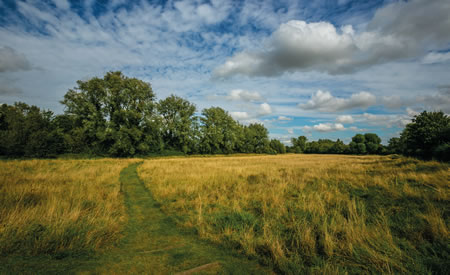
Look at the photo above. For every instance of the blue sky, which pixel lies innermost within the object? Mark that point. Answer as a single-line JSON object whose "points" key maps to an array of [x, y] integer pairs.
{"points": [[324, 69]]}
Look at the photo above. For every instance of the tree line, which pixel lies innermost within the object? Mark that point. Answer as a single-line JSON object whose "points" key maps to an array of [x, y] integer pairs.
{"points": [[119, 116]]}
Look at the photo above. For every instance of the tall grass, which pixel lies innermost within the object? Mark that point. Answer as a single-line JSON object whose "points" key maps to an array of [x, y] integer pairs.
{"points": [[60, 207], [313, 213]]}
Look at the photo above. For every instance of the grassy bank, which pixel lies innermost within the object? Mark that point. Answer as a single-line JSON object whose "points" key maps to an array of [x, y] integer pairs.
{"points": [[313, 213], [60, 207]]}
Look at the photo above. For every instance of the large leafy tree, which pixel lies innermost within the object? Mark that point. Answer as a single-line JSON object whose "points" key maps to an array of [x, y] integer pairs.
{"points": [[256, 139], [428, 135], [113, 115], [219, 131], [178, 123]]}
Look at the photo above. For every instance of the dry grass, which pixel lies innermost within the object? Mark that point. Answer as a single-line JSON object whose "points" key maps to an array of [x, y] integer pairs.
{"points": [[60, 207], [313, 213]]}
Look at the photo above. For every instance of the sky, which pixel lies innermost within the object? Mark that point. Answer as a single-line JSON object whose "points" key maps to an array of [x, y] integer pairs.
{"points": [[322, 69]]}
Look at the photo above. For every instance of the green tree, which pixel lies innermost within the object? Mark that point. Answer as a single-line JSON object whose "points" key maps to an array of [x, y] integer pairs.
{"points": [[177, 123], [427, 135], [373, 143], [28, 131], [395, 146], [219, 132], [277, 146], [256, 139], [114, 115], [299, 144], [338, 147]]}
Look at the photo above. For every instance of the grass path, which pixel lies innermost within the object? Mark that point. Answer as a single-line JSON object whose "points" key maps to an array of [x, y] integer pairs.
{"points": [[152, 244]]}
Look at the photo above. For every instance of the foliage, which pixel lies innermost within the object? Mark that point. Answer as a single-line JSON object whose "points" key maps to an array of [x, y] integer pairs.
{"points": [[114, 115], [427, 136], [299, 144], [219, 132], [277, 146], [28, 131], [177, 125]]}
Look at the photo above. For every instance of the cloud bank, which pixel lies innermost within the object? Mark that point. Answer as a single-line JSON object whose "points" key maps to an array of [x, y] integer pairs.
{"points": [[325, 102], [397, 31]]}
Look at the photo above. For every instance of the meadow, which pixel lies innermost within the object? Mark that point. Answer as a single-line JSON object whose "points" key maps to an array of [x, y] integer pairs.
{"points": [[60, 207], [313, 213], [293, 214]]}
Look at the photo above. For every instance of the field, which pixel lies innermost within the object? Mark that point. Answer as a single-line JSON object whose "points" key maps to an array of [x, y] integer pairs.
{"points": [[60, 207], [313, 213], [288, 213]]}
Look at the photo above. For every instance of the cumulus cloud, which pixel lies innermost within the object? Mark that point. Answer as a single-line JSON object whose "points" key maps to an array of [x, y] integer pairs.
{"points": [[243, 95], [437, 101], [348, 119], [325, 102], [398, 30], [255, 112], [264, 109], [240, 115], [385, 120], [324, 127], [11, 61]]}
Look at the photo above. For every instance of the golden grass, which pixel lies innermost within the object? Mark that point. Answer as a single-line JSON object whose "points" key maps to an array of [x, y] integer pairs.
{"points": [[60, 206], [312, 213]]}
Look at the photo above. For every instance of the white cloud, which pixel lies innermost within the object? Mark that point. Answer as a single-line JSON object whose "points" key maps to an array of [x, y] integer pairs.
{"points": [[290, 131], [240, 115], [329, 127], [243, 95], [324, 127], [393, 34], [435, 57], [387, 121], [325, 102], [348, 119], [264, 109], [284, 118]]}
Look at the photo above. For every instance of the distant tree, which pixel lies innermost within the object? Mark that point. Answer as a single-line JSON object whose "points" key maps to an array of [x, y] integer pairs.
{"points": [[28, 131], [428, 135], [373, 143], [299, 144], [277, 146], [396, 146], [338, 147], [359, 138], [114, 115], [256, 139], [219, 132], [177, 125]]}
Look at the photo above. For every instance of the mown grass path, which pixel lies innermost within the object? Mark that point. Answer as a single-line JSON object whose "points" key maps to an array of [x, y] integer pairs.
{"points": [[154, 245]]}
